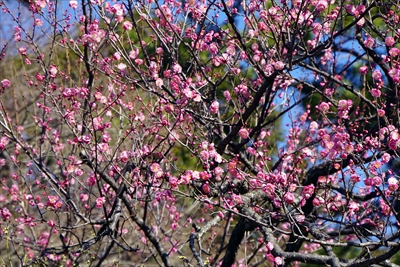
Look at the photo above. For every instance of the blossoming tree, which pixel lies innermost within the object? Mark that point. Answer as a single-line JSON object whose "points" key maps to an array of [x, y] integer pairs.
{"points": [[200, 133]]}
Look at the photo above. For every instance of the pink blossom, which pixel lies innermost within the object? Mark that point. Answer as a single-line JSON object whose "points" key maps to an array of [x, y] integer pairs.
{"points": [[317, 201], [124, 156], [69, 92], [385, 158], [84, 197], [173, 181], [177, 68], [324, 107], [308, 191], [53, 202], [279, 65], [5, 83], [155, 167], [127, 25], [214, 107], [243, 133], [218, 171], [213, 48], [5, 214], [321, 5], [394, 73], [206, 189], [121, 66], [100, 201], [288, 197], [116, 56], [91, 180], [377, 181], [159, 50], [237, 199], [22, 51], [17, 34], [377, 75], [51, 223], [227, 96], [344, 104], [38, 22], [278, 261], [381, 112], [73, 4], [204, 155], [53, 71], [393, 184], [270, 257], [159, 82], [389, 41], [394, 52], [134, 53], [269, 246], [4, 141], [363, 70], [375, 92], [369, 43]]}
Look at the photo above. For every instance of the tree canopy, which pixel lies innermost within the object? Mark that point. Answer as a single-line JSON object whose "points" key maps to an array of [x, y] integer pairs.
{"points": [[199, 133]]}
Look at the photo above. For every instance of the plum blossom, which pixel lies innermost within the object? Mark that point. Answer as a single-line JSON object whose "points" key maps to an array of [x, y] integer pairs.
{"points": [[393, 184], [389, 41], [324, 107], [100, 201], [377, 75], [177, 68], [5, 83], [156, 169], [5, 214], [214, 107], [237, 199], [227, 96], [321, 5], [134, 53], [159, 82], [206, 189], [288, 197], [124, 156], [279, 65], [4, 141], [243, 133], [204, 155], [343, 108], [53, 71], [173, 181], [308, 191], [385, 158], [369, 43], [127, 25], [363, 70], [218, 171], [17, 34], [84, 197], [38, 22], [394, 73], [159, 50], [375, 92], [394, 52], [73, 4]]}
